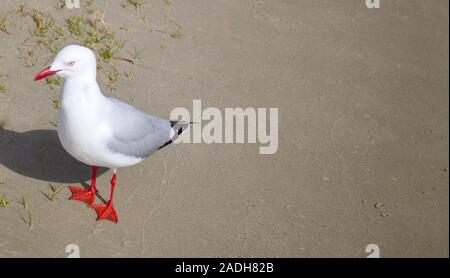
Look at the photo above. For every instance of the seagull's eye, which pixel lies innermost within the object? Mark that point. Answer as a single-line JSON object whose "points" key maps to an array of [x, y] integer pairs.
{"points": [[71, 63]]}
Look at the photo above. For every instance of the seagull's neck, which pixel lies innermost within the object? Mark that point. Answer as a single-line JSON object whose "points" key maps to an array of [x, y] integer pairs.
{"points": [[81, 89]]}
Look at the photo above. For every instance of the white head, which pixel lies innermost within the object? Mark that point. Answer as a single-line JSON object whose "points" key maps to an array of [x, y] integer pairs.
{"points": [[71, 61]]}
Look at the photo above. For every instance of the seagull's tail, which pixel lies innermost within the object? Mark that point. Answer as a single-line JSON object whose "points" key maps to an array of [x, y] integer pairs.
{"points": [[178, 128]]}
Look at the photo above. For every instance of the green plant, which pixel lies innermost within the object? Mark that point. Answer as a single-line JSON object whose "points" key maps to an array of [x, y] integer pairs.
{"points": [[54, 191], [89, 6], [28, 218], [25, 202], [60, 4], [28, 57], [56, 102], [113, 76], [3, 24], [3, 201], [23, 11], [12, 139], [2, 86], [110, 49], [144, 18], [128, 74], [2, 124], [43, 156], [48, 143], [175, 34], [136, 53], [91, 38], [42, 23], [135, 3], [15, 162], [75, 24], [53, 81]]}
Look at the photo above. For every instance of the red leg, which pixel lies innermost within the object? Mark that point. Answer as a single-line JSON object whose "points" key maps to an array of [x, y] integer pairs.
{"points": [[107, 211], [83, 195]]}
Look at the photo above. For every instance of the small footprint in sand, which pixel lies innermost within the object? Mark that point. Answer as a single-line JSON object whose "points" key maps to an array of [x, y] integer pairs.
{"points": [[380, 205]]}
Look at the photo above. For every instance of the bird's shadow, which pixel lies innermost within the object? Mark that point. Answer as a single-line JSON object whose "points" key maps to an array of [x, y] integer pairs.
{"points": [[38, 154]]}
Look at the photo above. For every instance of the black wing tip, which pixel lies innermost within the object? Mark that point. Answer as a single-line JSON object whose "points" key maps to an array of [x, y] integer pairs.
{"points": [[180, 127], [173, 123]]}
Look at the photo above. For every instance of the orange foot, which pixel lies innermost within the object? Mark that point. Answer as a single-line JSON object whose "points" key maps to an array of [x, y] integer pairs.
{"points": [[106, 212], [83, 195]]}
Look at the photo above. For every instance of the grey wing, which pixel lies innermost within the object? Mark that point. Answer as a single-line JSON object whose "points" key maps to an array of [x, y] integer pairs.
{"points": [[135, 133]]}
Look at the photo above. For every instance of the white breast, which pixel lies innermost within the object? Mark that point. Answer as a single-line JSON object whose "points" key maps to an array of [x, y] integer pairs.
{"points": [[83, 133]]}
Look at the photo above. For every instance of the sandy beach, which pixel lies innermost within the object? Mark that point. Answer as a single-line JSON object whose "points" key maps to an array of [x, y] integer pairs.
{"points": [[362, 155]]}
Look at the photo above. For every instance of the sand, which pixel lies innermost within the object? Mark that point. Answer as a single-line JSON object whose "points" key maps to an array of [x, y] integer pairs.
{"points": [[362, 157]]}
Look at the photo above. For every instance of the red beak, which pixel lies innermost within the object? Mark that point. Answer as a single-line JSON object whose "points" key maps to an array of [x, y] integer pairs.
{"points": [[45, 73]]}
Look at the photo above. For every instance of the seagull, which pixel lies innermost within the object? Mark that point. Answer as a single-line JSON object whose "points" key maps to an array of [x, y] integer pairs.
{"points": [[102, 131]]}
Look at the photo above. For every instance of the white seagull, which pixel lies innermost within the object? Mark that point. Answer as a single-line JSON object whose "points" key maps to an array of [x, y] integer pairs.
{"points": [[102, 131]]}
